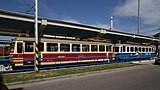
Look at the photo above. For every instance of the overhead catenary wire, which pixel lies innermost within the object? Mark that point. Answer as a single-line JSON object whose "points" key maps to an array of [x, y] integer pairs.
{"points": [[151, 31], [138, 27], [29, 7]]}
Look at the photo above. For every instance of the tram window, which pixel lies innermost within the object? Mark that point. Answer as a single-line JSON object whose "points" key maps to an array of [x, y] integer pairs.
{"points": [[75, 47], [124, 48], [101, 48], [149, 49], [85, 48], [132, 49], [143, 49], [41, 46], [127, 49], [12, 47], [94, 48], [52, 47], [146, 49], [121, 49], [28, 47], [19, 47], [108, 48], [136, 49], [65, 47], [152, 49], [116, 49], [140, 49]]}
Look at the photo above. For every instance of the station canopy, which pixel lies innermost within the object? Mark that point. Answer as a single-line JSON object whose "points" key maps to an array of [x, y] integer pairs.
{"points": [[14, 24]]}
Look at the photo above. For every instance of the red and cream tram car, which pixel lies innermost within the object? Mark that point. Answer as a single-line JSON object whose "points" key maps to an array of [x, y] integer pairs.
{"points": [[54, 51]]}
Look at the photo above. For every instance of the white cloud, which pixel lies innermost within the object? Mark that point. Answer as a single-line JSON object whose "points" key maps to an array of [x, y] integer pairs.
{"points": [[100, 25], [149, 12], [71, 20], [150, 30], [127, 9]]}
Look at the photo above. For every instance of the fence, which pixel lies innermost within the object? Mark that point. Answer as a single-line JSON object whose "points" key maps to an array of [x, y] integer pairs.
{"points": [[59, 63]]}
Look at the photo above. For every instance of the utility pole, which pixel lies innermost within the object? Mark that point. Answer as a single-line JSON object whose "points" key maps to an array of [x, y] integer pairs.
{"points": [[36, 55], [138, 17]]}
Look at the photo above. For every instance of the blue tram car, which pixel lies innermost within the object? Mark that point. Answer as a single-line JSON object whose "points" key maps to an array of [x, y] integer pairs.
{"points": [[128, 52]]}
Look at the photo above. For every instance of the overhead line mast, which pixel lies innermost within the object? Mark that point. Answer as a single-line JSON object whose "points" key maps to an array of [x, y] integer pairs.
{"points": [[138, 17], [36, 55]]}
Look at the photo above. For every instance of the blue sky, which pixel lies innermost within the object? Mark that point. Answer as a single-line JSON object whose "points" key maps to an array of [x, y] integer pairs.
{"points": [[96, 12]]}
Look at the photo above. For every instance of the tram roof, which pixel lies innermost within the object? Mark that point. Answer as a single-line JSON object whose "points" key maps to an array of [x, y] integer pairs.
{"points": [[5, 41], [59, 41], [13, 23]]}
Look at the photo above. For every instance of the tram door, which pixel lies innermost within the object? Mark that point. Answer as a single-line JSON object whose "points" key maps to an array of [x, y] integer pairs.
{"points": [[25, 53], [28, 53], [20, 52]]}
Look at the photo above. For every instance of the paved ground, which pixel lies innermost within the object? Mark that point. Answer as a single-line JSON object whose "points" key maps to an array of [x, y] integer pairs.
{"points": [[146, 77]]}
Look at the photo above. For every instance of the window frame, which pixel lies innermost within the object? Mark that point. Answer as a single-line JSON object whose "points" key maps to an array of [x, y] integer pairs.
{"points": [[62, 49], [94, 48], [77, 50], [116, 48], [21, 47], [30, 51], [51, 47], [85, 49], [100, 49]]}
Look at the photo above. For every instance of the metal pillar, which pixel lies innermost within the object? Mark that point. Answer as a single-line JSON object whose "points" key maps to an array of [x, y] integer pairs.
{"points": [[36, 56], [138, 16], [111, 23]]}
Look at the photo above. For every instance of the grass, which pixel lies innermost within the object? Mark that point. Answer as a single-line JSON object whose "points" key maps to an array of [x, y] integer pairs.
{"points": [[17, 77]]}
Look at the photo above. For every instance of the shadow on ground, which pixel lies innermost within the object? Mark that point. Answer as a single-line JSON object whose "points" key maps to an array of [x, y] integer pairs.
{"points": [[17, 89]]}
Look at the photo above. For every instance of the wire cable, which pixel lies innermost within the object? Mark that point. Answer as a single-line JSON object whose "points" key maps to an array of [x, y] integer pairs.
{"points": [[29, 9], [151, 31]]}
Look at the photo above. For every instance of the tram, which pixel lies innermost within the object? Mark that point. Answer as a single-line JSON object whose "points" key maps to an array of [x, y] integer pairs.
{"points": [[55, 51], [133, 52]]}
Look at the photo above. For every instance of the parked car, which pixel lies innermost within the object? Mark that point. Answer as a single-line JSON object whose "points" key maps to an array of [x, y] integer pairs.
{"points": [[157, 60]]}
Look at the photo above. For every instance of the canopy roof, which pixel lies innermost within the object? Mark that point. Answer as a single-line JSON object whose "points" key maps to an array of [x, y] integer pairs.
{"points": [[13, 23]]}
